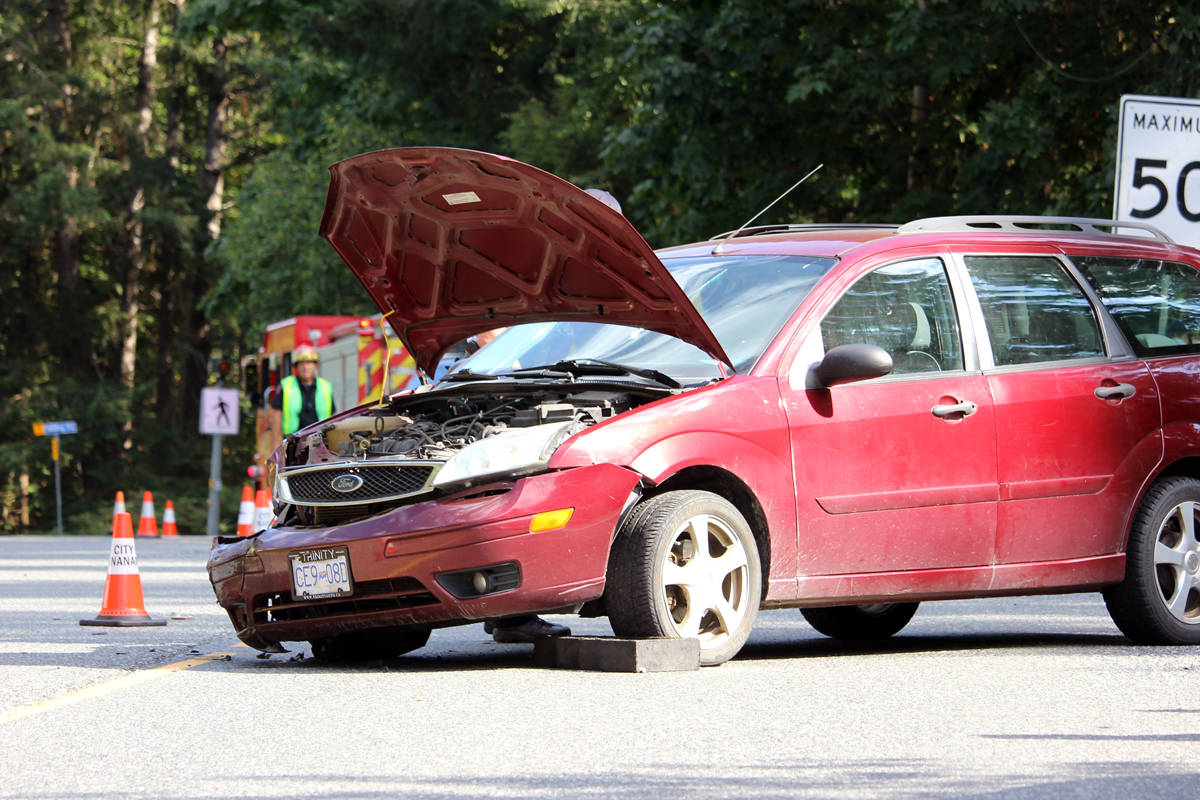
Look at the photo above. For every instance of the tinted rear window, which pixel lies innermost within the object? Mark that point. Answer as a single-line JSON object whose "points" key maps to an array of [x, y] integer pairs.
{"points": [[1155, 303]]}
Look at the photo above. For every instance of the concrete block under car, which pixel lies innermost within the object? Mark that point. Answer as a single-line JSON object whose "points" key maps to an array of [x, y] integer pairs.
{"points": [[607, 654]]}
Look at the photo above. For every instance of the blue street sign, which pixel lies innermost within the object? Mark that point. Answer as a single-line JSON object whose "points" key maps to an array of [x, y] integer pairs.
{"points": [[55, 428]]}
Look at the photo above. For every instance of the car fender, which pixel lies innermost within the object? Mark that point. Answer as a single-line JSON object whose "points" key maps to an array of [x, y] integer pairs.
{"points": [[1179, 444], [766, 477], [1180, 441], [662, 439]]}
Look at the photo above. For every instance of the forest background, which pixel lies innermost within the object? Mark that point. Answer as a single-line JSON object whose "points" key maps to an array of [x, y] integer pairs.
{"points": [[163, 163]]}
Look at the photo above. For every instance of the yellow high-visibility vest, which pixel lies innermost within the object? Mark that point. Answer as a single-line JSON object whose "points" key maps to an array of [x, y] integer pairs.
{"points": [[292, 402]]}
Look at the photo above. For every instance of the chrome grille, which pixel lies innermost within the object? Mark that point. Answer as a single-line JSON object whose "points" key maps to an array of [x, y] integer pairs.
{"points": [[313, 486]]}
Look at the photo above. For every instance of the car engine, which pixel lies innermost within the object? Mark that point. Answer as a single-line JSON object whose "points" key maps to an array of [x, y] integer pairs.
{"points": [[389, 456], [441, 433]]}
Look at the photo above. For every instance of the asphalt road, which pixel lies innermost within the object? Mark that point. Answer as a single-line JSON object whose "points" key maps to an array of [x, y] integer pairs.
{"points": [[1006, 698]]}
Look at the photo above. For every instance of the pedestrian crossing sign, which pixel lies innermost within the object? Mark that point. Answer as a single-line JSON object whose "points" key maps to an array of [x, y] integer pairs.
{"points": [[218, 411]]}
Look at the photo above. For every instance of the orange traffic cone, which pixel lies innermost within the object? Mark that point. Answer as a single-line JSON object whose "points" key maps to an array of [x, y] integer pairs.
{"points": [[123, 606], [118, 506], [262, 510], [147, 524], [169, 527], [245, 521]]}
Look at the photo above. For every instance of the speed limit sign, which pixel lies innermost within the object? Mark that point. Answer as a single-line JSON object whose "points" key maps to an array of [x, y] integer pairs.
{"points": [[1158, 165]]}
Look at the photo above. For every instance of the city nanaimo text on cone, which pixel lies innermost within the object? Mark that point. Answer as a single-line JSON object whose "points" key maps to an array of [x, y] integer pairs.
{"points": [[123, 606]]}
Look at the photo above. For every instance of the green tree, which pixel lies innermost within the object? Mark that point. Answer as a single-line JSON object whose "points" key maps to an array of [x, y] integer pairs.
{"points": [[163, 164]]}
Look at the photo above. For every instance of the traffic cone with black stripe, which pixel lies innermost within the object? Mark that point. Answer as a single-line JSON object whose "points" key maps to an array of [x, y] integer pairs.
{"points": [[123, 606], [147, 523], [245, 521], [169, 527]]}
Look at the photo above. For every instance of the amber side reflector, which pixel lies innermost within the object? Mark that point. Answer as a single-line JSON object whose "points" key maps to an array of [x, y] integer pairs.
{"points": [[550, 520]]}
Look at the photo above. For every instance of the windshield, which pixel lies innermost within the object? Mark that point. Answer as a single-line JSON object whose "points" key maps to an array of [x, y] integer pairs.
{"points": [[744, 299]]}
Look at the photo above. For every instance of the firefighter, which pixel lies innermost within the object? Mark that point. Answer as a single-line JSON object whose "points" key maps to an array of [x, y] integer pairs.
{"points": [[306, 398]]}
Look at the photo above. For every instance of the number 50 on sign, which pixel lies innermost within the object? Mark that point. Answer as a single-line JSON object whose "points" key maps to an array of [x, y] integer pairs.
{"points": [[1158, 165]]}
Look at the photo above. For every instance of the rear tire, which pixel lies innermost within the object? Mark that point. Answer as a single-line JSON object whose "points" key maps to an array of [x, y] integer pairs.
{"points": [[876, 621], [369, 645], [685, 565], [1159, 600]]}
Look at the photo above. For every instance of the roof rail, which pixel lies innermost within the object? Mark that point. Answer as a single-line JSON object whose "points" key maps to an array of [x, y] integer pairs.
{"points": [[1021, 224], [765, 230]]}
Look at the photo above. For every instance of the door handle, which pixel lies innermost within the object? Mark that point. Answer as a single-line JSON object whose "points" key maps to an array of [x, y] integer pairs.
{"points": [[1120, 391], [964, 407]]}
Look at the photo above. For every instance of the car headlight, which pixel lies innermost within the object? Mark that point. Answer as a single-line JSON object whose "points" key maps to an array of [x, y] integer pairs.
{"points": [[522, 450]]}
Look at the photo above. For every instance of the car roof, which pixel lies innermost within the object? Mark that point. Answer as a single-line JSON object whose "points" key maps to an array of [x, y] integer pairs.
{"points": [[832, 240]]}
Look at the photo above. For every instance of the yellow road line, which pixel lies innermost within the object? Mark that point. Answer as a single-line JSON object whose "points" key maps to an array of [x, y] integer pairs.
{"points": [[108, 687]]}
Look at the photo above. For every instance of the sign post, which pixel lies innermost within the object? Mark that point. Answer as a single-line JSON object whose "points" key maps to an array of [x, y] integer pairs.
{"points": [[1158, 165], [218, 417], [54, 430]]}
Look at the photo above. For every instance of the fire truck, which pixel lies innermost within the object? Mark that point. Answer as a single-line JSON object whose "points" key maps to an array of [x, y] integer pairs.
{"points": [[352, 350]]}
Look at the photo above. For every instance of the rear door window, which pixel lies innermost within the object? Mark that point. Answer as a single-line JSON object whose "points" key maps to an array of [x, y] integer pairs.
{"points": [[1034, 310], [1155, 303]]}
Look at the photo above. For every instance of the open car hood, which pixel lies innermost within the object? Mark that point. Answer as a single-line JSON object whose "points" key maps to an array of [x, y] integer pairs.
{"points": [[450, 243]]}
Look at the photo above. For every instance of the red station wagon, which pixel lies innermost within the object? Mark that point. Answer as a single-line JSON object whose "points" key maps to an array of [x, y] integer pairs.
{"points": [[845, 419]]}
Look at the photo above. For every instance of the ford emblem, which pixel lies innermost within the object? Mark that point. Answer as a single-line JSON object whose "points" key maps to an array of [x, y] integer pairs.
{"points": [[346, 483]]}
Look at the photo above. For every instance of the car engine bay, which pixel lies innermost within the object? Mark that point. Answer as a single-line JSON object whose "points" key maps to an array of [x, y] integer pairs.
{"points": [[391, 455]]}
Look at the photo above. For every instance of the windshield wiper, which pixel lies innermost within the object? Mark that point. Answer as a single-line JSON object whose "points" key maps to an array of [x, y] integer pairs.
{"points": [[597, 366], [467, 375], [570, 369]]}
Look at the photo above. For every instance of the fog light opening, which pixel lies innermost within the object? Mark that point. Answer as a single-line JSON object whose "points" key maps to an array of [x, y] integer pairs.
{"points": [[466, 584]]}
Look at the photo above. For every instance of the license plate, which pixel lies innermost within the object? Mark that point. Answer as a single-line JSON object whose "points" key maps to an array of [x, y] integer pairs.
{"points": [[321, 573]]}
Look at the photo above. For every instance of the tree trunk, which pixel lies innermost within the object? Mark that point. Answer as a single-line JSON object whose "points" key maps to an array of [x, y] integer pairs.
{"points": [[213, 181], [163, 405], [178, 92], [214, 145], [130, 297], [23, 504], [917, 168], [170, 261], [65, 243]]}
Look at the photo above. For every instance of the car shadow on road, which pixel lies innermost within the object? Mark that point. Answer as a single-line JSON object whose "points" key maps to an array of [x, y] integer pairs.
{"points": [[521, 656], [774, 780], [842, 648], [139, 649], [300, 659]]}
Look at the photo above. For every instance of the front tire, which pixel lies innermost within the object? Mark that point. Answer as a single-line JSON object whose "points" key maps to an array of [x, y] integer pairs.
{"points": [[685, 565], [1159, 600], [877, 621]]}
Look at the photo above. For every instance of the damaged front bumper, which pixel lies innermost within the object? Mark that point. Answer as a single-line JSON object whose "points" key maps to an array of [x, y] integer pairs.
{"points": [[492, 551]]}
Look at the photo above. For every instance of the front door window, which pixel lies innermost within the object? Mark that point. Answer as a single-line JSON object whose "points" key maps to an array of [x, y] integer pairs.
{"points": [[906, 309]]}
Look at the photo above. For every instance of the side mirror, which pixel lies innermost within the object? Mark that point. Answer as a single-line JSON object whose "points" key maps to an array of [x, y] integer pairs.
{"points": [[847, 363]]}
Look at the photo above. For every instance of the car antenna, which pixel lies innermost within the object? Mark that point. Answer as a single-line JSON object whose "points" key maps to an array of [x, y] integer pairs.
{"points": [[717, 250]]}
